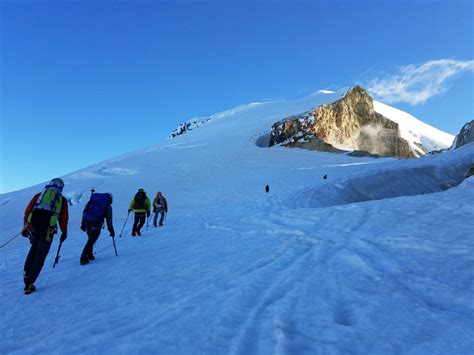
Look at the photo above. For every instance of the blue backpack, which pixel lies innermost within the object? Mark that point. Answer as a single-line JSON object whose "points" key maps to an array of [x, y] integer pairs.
{"points": [[95, 208]]}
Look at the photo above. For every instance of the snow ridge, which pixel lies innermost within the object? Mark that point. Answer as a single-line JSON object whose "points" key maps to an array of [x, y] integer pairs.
{"points": [[414, 130]]}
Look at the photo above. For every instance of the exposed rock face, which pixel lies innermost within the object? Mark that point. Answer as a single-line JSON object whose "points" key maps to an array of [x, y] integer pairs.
{"points": [[464, 137], [188, 126], [348, 124]]}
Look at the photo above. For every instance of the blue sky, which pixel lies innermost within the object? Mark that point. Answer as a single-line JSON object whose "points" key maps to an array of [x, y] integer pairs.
{"points": [[83, 81]]}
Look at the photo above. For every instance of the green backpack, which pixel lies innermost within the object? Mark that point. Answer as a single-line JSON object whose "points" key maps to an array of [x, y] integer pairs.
{"points": [[45, 213]]}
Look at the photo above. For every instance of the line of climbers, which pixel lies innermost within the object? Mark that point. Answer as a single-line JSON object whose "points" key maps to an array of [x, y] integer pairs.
{"points": [[49, 208]]}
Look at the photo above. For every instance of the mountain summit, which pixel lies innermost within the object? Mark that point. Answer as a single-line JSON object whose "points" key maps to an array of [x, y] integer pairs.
{"points": [[355, 122]]}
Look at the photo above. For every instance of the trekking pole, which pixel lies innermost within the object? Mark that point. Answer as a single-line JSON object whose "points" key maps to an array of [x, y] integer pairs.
{"points": [[56, 260], [5, 244], [115, 248], [120, 235]]}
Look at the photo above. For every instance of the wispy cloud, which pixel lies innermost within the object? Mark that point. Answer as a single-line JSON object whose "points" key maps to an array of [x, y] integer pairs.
{"points": [[416, 84]]}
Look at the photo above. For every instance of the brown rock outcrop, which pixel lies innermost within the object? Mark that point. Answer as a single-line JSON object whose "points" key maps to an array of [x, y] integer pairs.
{"points": [[348, 124]]}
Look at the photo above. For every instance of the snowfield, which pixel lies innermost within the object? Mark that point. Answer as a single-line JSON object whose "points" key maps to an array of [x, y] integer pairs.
{"points": [[377, 258]]}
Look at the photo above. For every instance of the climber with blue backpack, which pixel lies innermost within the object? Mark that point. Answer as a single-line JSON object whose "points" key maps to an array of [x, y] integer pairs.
{"points": [[45, 210], [97, 209]]}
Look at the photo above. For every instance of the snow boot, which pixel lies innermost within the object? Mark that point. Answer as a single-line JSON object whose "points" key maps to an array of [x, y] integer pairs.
{"points": [[139, 234], [84, 261], [30, 289], [91, 257], [134, 234]]}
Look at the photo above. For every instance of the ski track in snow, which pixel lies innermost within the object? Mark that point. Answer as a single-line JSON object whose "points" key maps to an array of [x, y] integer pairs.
{"points": [[238, 271], [293, 282]]}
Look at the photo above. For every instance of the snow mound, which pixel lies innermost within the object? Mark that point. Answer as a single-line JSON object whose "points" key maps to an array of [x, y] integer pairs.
{"points": [[407, 178], [467, 183]]}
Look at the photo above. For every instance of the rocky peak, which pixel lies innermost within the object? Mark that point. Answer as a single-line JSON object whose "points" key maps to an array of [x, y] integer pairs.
{"points": [[359, 100], [465, 136], [348, 124]]}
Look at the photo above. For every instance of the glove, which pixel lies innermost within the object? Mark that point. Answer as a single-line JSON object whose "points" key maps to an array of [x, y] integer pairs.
{"points": [[83, 227], [63, 237], [25, 232], [148, 214], [112, 233]]}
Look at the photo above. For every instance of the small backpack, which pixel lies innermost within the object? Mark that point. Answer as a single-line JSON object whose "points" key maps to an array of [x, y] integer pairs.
{"points": [[140, 198], [47, 206], [159, 202], [95, 208]]}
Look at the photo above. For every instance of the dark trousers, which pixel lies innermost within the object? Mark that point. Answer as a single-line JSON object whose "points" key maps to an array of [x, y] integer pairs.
{"points": [[139, 221], [36, 256], [92, 236], [155, 217]]}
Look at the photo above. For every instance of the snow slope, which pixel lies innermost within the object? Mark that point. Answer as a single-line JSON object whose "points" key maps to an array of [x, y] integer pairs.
{"points": [[416, 131], [315, 266]]}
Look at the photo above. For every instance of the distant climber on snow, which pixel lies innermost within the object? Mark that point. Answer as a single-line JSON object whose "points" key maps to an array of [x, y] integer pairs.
{"points": [[97, 209], [42, 214], [141, 205], [160, 205], [267, 189]]}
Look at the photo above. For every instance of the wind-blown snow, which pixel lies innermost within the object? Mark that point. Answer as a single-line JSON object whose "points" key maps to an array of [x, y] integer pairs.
{"points": [[236, 270], [414, 130]]}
